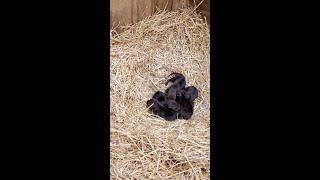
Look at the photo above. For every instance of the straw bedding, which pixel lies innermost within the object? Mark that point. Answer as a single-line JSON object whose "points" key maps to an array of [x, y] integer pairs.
{"points": [[143, 146]]}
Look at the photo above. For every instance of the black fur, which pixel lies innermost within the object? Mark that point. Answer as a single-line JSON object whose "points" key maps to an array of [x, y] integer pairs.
{"points": [[176, 102]]}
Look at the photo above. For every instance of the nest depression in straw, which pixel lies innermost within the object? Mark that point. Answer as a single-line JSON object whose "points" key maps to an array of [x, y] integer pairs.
{"points": [[143, 146]]}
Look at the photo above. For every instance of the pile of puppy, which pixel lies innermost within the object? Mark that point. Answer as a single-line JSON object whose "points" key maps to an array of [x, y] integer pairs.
{"points": [[176, 102]]}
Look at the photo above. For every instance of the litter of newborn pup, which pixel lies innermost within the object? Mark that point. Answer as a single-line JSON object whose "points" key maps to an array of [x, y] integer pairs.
{"points": [[176, 102]]}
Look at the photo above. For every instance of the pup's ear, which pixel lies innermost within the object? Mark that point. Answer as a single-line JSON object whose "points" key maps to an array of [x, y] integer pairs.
{"points": [[149, 102]]}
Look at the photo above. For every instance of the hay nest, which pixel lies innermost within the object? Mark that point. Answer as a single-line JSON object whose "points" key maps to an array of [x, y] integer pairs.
{"points": [[143, 146]]}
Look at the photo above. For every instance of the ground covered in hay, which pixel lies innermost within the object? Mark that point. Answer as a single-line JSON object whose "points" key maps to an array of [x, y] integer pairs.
{"points": [[143, 146]]}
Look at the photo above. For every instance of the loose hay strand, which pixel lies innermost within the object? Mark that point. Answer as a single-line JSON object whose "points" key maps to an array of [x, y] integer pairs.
{"points": [[143, 145]]}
